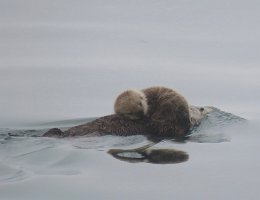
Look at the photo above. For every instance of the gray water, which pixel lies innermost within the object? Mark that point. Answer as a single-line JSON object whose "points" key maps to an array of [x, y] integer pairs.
{"points": [[222, 149], [64, 62]]}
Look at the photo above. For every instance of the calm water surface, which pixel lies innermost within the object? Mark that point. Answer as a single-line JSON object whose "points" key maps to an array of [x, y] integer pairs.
{"points": [[64, 62]]}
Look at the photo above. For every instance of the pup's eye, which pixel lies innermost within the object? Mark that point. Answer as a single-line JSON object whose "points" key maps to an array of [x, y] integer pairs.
{"points": [[201, 109]]}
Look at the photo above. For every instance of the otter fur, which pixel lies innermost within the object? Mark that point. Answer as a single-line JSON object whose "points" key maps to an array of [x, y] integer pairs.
{"points": [[107, 125], [132, 104], [121, 126], [198, 113], [166, 109]]}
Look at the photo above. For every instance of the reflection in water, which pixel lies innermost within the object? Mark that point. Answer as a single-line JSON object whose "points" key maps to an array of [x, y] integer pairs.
{"points": [[24, 152], [145, 154]]}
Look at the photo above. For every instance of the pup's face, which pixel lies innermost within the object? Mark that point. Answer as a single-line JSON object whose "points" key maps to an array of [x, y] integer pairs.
{"points": [[132, 104]]}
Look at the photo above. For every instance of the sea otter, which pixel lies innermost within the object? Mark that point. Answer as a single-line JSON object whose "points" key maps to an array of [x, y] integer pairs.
{"points": [[166, 110], [121, 126]]}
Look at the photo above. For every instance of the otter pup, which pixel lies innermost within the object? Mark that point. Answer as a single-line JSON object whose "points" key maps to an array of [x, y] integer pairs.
{"points": [[166, 110]]}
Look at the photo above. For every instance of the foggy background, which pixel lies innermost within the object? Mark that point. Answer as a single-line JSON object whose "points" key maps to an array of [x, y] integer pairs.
{"points": [[63, 59]]}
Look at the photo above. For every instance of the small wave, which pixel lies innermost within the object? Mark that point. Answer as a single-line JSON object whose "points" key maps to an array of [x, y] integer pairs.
{"points": [[108, 141], [10, 173], [215, 127], [211, 129], [23, 153]]}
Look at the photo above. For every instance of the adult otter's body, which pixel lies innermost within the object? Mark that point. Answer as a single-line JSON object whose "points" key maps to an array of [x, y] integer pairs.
{"points": [[166, 110], [119, 125], [107, 125]]}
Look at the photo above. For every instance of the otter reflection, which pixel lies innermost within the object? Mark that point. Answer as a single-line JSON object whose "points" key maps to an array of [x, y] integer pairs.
{"points": [[145, 154]]}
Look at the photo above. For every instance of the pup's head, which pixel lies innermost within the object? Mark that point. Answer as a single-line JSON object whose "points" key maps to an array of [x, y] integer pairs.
{"points": [[131, 104]]}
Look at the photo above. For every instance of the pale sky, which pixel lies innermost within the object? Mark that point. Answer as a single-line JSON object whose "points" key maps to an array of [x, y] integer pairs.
{"points": [[60, 60]]}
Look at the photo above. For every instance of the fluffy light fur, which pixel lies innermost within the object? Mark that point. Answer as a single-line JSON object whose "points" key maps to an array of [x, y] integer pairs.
{"points": [[131, 104]]}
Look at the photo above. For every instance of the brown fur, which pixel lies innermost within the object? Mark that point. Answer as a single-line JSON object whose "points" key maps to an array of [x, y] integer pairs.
{"points": [[110, 124], [119, 125], [168, 111]]}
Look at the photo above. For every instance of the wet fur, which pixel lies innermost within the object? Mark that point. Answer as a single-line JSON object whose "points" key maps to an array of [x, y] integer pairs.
{"points": [[107, 125], [119, 125]]}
